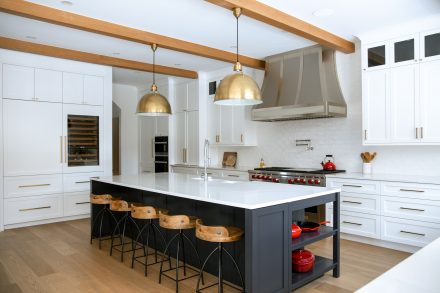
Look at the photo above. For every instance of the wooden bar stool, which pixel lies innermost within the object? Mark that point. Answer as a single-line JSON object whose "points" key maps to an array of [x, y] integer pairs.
{"points": [[124, 208], [104, 201], [219, 235], [180, 223], [147, 214]]}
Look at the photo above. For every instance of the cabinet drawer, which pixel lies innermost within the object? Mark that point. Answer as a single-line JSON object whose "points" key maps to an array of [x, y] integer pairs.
{"points": [[33, 208], [33, 185], [358, 224], [76, 203], [356, 186], [357, 202], [211, 173], [409, 232], [185, 170], [79, 181], [411, 190], [413, 209], [236, 175]]}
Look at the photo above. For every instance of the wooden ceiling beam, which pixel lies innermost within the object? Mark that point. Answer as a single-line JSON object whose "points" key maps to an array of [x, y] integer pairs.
{"points": [[286, 22], [76, 21], [17, 45]]}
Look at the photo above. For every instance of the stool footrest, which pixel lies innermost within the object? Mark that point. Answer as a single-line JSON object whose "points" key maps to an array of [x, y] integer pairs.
{"points": [[224, 283], [180, 279]]}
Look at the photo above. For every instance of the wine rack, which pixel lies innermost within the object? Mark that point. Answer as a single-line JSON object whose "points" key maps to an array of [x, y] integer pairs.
{"points": [[82, 140]]}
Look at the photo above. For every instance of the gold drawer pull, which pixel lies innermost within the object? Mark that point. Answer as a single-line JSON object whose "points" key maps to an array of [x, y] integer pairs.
{"points": [[412, 233], [411, 190], [350, 185], [352, 223], [349, 201], [412, 209], [34, 185], [83, 202], [81, 182], [31, 209], [231, 175]]}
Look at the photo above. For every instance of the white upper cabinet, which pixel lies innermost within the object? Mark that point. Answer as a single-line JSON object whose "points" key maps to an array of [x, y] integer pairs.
{"points": [[179, 139], [192, 136], [18, 82], [32, 138], [93, 90], [400, 90], [430, 101], [73, 88], [48, 85], [193, 96], [404, 107], [186, 96]]}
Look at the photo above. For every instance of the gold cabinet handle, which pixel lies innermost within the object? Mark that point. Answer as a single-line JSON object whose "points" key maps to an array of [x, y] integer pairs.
{"points": [[365, 134], [34, 185], [82, 182], [417, 132], [152, 147], [65, 149], [421, 132], [61, 149], [349, 201], [350, 185], [411, 190], [185, 156], [241, 138], [412, 209], [83, 202], [231, 175], [412, 233], [32, 209], [352, 223]]}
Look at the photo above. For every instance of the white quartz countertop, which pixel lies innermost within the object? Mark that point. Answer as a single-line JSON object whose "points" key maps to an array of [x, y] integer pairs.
{"points": [[217, 167], [418, 273], [388, 177], [242, 194]]}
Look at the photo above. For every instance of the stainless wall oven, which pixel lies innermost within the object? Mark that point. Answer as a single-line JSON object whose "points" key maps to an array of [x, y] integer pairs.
{"points": [[161, 154]]}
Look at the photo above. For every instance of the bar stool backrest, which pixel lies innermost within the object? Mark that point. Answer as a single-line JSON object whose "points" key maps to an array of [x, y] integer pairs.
{"points": [[217, 233], [119, 205], [100, 198], [139, 211], [176, 221]]}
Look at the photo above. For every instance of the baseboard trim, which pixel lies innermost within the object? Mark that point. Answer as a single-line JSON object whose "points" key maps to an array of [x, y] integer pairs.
{"points": [[48, 221], [381, 243]]}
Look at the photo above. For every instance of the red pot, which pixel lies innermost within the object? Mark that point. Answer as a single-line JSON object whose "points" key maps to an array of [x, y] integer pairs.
{"points": [[302, 261], [296, 231]]}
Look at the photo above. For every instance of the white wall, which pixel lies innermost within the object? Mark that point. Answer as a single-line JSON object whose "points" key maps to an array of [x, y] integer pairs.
{"points": [[341, 137], [126, 97]]}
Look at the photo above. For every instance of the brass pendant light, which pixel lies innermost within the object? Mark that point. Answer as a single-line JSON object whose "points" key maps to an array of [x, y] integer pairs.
{"points": [[238, 89], [153, 103]]}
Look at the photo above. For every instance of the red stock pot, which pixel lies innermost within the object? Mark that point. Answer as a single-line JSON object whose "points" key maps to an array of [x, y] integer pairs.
{"points": [[302, 261]]}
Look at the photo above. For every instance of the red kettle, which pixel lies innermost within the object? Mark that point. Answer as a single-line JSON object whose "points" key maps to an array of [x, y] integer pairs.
{"points": [[328, 163]]}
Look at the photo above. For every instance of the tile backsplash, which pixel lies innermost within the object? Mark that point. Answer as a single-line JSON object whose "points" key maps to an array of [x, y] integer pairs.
{"points": [[341, 137]]}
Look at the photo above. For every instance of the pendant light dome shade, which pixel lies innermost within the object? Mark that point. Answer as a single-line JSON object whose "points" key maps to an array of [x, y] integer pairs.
{"points": [[238, 89], [153, 103]]}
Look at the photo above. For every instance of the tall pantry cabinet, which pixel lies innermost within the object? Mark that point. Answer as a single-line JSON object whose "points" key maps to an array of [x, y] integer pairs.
{"points": [[54, 133]]}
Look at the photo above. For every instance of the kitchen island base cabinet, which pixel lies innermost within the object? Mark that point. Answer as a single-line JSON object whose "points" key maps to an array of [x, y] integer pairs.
{"points": [[264, 256]]}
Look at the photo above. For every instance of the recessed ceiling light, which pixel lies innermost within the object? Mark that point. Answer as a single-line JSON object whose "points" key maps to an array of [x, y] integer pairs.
{"points": [[31, 37], [177, 64], [67, 3], [324, 12]]}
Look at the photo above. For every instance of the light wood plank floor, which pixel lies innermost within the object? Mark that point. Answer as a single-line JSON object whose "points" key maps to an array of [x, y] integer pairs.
{"points": [[58, 258]]}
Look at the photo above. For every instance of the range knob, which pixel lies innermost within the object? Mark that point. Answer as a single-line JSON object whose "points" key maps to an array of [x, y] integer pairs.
{"points": [[259, 176], [302, 180], [276, 180], [290, 181], [269, 178], [254, 176], [311, 181], [296, 180], [317, 181]]}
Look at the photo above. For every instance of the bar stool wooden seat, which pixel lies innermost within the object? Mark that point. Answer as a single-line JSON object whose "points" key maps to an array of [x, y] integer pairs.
{"points": [[102, 200], [147, 214], [219, 235], [178, 223], [123, 207]]}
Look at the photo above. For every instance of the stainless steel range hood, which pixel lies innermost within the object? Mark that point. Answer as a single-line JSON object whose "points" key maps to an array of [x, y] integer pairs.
{"points": [[302, 84]]}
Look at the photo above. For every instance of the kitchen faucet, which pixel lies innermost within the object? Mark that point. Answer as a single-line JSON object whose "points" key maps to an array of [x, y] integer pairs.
{"points": [[206, 158]]}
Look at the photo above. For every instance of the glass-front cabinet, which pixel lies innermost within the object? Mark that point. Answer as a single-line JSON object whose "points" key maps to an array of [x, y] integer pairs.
{"points": [[430, 45], [82, 138], [404, 50]]}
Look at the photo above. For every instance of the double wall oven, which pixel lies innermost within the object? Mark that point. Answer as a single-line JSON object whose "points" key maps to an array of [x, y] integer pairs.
{"points": [[160, 149]]}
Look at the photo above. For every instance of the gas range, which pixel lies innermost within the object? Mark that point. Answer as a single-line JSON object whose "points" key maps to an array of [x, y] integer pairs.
{"points": [[311, 177]]}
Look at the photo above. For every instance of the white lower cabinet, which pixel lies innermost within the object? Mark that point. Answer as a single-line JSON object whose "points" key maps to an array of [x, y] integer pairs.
{"points": [[76, 203], [236, 175], [79, 181], [33, 185], [400, 212], [33, 208], [233, 175], [409, 232], [185, 170]]}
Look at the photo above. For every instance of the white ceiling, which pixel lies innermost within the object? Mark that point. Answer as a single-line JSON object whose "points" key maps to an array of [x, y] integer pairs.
{"points": [[204, 23]]}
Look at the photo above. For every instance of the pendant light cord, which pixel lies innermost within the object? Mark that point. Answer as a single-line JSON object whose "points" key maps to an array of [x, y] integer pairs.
{"points": [[237, 37], [154, 66]]}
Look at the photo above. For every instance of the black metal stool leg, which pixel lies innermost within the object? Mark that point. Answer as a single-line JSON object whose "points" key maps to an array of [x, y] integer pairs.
{"points": [[201, 269], [197, 254], [94, 221], [163, 240], [163, 257], [236, 267], [137, 239], [147, 248], [154, 240], [114, 231], [177, 265], [220, 268], [123, 237], [100, 226], [183, 252]]}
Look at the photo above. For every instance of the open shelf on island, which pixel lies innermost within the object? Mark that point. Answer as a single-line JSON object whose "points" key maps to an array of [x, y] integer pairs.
{"points": [[307, 238], [322, 266]]}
